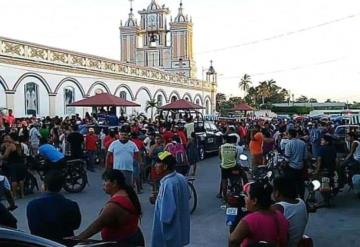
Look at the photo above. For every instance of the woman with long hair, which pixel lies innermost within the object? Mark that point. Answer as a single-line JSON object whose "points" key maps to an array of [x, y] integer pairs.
{"points": [[262, 223], [119, 219]]}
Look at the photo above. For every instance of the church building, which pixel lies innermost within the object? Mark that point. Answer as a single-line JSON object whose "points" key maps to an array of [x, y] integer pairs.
{"points": [[156, 63]]}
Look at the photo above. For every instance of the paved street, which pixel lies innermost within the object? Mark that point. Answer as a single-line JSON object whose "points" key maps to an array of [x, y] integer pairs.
{"points": [[338, 226]]}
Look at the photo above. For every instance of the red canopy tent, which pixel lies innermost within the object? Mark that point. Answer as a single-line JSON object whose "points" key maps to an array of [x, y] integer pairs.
{"points": [[242, 107], [180, 104], [103, 100]]}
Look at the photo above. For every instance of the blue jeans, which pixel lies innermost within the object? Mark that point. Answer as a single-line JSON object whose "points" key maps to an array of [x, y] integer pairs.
{"points": [[91, 159]]}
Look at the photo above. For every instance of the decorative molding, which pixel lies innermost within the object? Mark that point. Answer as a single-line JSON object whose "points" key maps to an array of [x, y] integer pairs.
{"points": [[102, 84], [34, 55]]}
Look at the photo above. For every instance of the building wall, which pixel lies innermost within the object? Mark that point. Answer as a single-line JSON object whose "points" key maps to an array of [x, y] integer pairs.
{"points": [[51, 83]]}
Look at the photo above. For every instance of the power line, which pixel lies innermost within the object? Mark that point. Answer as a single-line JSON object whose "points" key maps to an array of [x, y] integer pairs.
{"points": [[298, 67], [283, 35]]}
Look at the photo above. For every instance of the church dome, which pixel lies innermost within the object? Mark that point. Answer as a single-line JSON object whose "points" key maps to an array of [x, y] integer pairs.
{"points": [[180, 16], [131, 21], [153, 5]]}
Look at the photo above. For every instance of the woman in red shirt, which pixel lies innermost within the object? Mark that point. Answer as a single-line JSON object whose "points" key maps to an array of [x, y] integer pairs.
{"points": [[262, 223], [119, 219]]}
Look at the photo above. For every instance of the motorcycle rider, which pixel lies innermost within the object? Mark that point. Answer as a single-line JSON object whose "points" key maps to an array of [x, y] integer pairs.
{"points": [[53, 157], [228, 155], [352, 160]]}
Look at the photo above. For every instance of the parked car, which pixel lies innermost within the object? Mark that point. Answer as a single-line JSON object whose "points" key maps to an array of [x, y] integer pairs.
{"points": [[209, 138], [16, 238]]}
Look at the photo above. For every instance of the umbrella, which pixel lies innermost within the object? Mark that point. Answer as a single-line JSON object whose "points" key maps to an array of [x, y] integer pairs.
{"points": [[104, 99], [242, 107], [181, 104]]}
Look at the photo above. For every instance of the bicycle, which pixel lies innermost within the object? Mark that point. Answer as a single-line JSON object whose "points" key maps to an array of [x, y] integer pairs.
{"points": [[193, 201]]}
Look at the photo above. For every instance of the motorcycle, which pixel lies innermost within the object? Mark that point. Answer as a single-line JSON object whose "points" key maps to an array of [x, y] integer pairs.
{"points": [[310, 200], [235, 207], [74, 172]]}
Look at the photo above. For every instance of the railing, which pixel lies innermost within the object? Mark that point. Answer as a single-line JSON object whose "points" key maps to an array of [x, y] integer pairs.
{"points": [[40, 53]]}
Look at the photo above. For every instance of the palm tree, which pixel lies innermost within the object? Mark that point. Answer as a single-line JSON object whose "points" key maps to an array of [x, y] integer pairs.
{"points": [[151, 104], [245, 83], [263, 90]]}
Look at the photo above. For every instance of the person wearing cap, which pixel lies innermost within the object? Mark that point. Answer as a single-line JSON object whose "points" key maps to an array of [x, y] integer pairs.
{"points": [[171, 222], [91, 140]]}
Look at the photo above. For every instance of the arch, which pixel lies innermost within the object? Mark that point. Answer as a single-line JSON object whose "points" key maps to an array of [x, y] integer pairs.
{"points": [[207, 105], [73, 80], [146, 90], [163, 93], [207, 97], [101, 84], [128, 89], [198, 96], [3, 83], [37, 76], [187, 95], [174, 93]]}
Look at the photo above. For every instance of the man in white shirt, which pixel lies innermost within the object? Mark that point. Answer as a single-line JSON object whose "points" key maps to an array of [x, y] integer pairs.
{"points": [[124, 152], [34, 136]]}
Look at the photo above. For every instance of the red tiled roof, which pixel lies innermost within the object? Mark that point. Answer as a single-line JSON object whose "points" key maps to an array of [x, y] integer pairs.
{"points": [[181, 105], [104, 99]]}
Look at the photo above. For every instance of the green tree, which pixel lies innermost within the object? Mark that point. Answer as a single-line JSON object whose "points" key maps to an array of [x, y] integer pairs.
{"points": [[302, 99], [151, 104], [220, 98], [245, 83]]}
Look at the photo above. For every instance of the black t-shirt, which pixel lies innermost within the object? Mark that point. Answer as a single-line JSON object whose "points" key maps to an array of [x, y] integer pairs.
{"points": [[328, 157], [76, 140]]}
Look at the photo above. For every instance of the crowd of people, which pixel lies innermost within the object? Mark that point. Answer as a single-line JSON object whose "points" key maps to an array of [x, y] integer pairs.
{"points": [[164, 153]]}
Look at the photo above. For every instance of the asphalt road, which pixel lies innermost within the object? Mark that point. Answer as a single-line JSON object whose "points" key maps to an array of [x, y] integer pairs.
{"points": [[338, 226]]}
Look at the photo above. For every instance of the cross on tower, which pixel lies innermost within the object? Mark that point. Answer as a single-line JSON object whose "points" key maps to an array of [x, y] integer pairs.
{"points": [[131, 4]]}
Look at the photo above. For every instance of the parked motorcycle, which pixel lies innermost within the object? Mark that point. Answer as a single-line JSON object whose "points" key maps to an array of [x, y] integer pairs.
{"points": [[74, 173]]}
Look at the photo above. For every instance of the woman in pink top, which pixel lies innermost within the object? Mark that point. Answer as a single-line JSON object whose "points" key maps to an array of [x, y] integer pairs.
{"points": [[262, 224]]}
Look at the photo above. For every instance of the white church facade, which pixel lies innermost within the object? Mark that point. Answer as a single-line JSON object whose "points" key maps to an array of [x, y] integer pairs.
{"points": [[156, 64]]}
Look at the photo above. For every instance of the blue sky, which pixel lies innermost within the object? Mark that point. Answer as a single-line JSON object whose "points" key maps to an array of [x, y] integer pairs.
{"points": [[320, 62]]}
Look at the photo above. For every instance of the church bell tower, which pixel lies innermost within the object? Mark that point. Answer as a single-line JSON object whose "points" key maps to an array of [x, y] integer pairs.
{"points": [[152, 44], [182, 59]]}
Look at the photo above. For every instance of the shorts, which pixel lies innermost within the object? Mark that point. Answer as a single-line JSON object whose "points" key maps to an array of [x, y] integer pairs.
{"points": [[128, 177], [17, 172]]}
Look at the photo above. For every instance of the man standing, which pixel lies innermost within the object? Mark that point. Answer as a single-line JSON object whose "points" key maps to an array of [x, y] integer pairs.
{"points": [[91, 147], [76, 141], [295, 152], [52, 216], [10, 118], [256, 146], [34, 136], [171, 224], [124, 152]]}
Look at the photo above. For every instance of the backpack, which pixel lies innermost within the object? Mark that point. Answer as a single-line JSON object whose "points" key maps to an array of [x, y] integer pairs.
{"points": [[179, 152]]}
